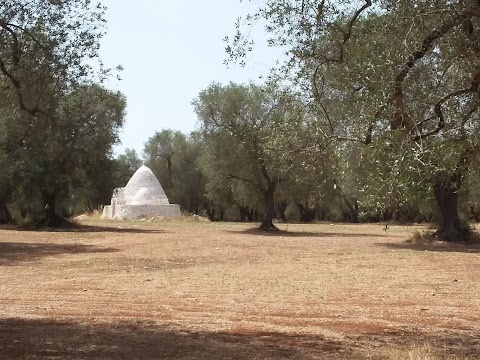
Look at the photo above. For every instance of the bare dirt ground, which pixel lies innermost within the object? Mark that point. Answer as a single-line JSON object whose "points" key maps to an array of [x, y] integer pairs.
{"points": [[199, 290]]}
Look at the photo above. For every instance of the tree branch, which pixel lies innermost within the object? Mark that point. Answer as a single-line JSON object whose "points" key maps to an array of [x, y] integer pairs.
{"points": [[398, 97], [347, 34], [15, 44], [261, 161], [437, 109], [466, 117], [34, 111], [250, 181], [462, 165]]}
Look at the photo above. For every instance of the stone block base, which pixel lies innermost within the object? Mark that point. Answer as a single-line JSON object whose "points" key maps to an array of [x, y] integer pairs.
{"points": [[141, 211]]}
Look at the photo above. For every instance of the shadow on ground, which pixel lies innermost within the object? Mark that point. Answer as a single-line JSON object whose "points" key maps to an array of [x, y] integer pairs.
{"points": [[438, 246], [283, 233], [80, 228], [46, 339], [50, 339], [112, 228], [12, 252]]}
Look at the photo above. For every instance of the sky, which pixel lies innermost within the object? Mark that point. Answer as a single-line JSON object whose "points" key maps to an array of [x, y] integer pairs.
{"points": [[170, 51]]}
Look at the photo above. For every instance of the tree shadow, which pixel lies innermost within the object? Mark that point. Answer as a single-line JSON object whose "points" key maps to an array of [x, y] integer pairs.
{"points": [[437, 246], [80, 228], [114, 228], [49, 339], [283, 233], [13, 252], [54, 339]]}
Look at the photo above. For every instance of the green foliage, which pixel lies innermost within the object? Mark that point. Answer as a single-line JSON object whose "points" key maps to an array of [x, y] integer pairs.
{"points": [[59, 124], [172, 156], [248, 149], [126, 165], [46, 46], [401, 77], [71, 155]]}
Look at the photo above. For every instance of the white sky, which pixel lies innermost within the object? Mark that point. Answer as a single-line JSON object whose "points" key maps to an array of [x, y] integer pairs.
{"points": [[170, 51]]}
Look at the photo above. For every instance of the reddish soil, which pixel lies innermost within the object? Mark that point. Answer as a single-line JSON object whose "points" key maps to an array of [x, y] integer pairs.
{"points": [[187, 290]]}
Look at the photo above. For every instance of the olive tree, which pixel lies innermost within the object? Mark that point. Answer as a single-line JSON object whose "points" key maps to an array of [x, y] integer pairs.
{"points": [[64, 123], [402, 76], [246, 131]]}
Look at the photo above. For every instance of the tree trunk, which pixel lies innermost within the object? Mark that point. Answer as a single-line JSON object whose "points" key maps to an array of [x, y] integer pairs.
{"points": [[210, 213], [244, 213], [321, 215], [169, 168], [446, 195], [281, 207], [355, 212], [255, 216], [351, 213], [5, 216], [306, 214], [251, 215], [269, 202], [353, 209], [24, 211], [50, 218]]}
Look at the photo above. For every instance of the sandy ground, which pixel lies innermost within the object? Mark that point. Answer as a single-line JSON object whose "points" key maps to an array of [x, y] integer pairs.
{"points": [[199, 290]]}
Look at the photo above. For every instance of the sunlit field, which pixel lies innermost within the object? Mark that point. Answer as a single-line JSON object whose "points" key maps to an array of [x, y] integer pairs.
{"points": [[201, 290]]}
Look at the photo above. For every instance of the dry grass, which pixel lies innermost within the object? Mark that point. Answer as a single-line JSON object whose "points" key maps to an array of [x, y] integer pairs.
{"points": [[424, 351], [200, 290], [421, 237], [427, 237]]}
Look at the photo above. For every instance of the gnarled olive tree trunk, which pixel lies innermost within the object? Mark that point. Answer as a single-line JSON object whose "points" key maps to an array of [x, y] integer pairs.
{"points": [[446, 196], [446, 190], [5, 216], [50, 218], [281, 208], [269, 203], [307, 215]]}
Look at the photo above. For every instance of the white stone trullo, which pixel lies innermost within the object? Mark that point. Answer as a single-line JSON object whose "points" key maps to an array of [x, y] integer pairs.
{"points": [[143, 196]]}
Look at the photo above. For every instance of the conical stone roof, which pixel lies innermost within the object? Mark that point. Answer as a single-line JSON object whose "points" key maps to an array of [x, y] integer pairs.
{"points": [[144, 184]]}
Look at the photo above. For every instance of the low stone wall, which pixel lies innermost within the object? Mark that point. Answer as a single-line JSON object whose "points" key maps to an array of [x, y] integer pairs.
{"points": [[146, 211]]}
